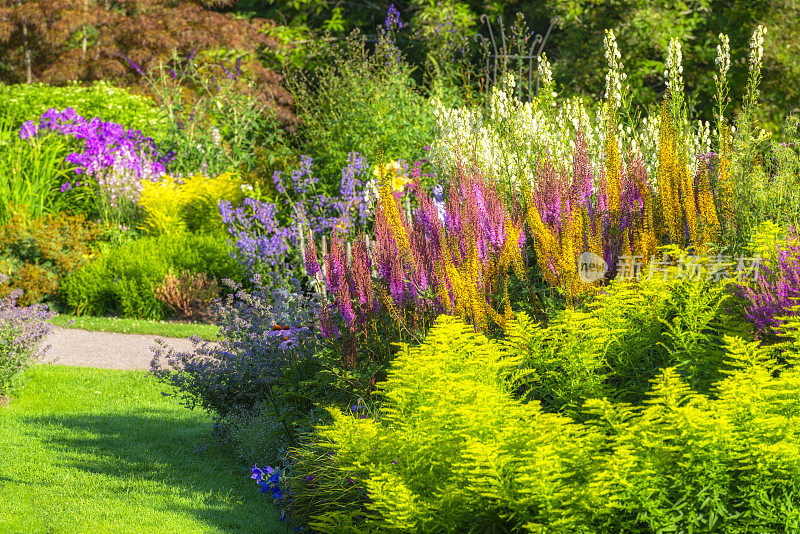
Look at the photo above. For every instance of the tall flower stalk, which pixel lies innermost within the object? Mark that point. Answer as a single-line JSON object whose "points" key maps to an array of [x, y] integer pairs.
{"points": [[452, 256]]}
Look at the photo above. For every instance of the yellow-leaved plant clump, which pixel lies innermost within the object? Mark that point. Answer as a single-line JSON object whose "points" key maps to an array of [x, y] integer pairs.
{"points": [[174, 205], [452, 449]]}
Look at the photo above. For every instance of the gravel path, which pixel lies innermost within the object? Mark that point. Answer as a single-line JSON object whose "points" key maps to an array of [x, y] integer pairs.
{"points": [[108, 350]]}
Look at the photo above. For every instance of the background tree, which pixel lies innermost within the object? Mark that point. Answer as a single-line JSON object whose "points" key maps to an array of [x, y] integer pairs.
{"points": [[63, 40]]}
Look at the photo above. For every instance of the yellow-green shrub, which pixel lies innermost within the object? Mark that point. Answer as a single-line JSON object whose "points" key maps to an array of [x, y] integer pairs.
{"points": [[452, 450], [616, 345], [192, 204]]}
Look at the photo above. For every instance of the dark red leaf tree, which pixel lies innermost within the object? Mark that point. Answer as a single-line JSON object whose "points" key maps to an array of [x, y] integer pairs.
{"points": [[57, 41]]}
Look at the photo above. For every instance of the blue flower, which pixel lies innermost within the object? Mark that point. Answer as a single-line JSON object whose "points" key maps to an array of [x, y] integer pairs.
{"points": [[257, 474]]}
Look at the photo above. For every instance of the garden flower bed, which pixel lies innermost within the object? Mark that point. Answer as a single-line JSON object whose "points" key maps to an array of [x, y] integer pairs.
{"points": [[532, 313]]}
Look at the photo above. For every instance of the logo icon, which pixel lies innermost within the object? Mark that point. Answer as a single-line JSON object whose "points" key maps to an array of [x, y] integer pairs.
{"points": [[591, 267]]}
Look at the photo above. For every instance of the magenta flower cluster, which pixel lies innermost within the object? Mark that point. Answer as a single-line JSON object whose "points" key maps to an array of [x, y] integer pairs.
{"points": [[444, 228], [118, 158]]}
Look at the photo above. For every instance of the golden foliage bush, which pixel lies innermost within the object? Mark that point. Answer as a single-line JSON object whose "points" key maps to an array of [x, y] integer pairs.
{"points": [[192, 204]]}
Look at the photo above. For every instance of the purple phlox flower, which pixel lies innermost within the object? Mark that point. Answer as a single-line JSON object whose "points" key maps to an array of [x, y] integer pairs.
{"points": [[65, 187], [28, 130]]}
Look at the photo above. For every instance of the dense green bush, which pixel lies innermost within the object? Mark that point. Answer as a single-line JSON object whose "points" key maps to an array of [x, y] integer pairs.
{"points": [[122, 280], [260, 382], [361, 101], [257, 435], [452, 450], [26, 102]]}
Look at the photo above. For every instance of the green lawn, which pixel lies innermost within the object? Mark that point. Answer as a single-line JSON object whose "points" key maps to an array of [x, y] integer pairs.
{"points": [[95, 450], [138, 326]]}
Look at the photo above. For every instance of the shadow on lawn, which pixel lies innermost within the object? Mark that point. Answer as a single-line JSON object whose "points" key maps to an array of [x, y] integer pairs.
{"points": [[143, 447]]}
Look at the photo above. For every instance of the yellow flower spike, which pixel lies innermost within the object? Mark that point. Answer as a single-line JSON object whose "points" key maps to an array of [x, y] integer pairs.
{"points": [[711, 232], [667, 182], [395, 221], [612, 165], [689, 204]]}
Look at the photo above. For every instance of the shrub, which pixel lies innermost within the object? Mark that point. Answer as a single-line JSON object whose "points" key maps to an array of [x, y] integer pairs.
{"points": [[189, 295], [451, 450], [24, 102], [123, 280], [191, 204], [266, 335], [360, 101], [21, 332], [38, 254], [618, 342]]}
